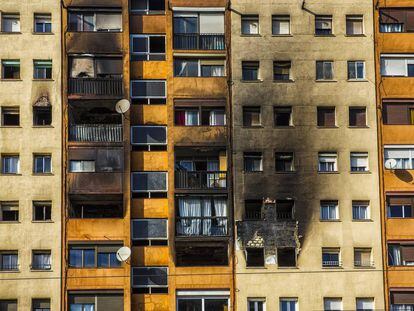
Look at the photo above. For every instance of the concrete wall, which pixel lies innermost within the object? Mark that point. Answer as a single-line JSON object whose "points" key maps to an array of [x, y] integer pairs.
{"points": [[309, 282], [26, 140]]}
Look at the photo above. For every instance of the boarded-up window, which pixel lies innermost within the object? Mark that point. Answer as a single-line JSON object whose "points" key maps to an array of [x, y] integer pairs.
{"points": [[398, 113], [358, 116], [326, 117], [148, 135], [149, 181], [149, 229]]}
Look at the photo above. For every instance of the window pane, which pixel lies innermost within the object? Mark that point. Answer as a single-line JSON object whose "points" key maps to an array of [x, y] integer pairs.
{"points": [[88, 258]]}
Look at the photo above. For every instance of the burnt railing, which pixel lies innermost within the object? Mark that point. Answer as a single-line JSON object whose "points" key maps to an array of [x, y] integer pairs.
{"points": [[95, 132], [196, 41], [202, 226], [96, 86], [200, 180]]}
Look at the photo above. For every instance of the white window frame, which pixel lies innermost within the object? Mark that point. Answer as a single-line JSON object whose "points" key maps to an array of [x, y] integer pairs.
{"points": [[295, 300], [359, 207], [3, 159], [149, 80], [407, 58], [82, 163], [140, 220], [332, 204], [325, 299], [43, 156], [409, 148], [359, 155], [247, 17], [203, 295], [371, 299], [355, 65], [8, 15], [357, 17], [199, 68], [282, 18], [150, 191], [256, 300], [333, 155], [148, 52], [44, 16]]}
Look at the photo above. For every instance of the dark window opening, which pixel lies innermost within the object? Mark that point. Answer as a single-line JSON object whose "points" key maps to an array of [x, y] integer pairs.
{"points": [[9, 211], [323, 25], [281, 70], [41, 304], [282, 116], [11, 69], [10, 116], [188, 255], [250, 71], [326, 117], [253, 209], [252, 116], [255, 257], [42, 116], [284, 209], [91, 210], [42, 211], [284, 162], [286, 257], [357, 116]]}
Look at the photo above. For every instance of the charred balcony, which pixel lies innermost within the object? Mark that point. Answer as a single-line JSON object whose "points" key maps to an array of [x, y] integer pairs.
{"points": [[95, 76], [201, 169], [95, 206], [94, 122], [95, 170]]}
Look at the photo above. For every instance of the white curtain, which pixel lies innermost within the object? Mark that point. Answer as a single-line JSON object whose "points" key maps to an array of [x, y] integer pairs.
{"points": [[217, 117], [333, 304], [217, 71], [395, 252], [365, 304], [391, 27], [393, 67], [250, 27], [220, 208], [212, 178], [281, 27], [206, 213], [189, 208], [191, 118]]}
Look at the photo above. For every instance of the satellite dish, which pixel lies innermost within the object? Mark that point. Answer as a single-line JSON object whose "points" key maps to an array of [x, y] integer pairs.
{"points": [[390, 164], [122, 106], [123, 254]]}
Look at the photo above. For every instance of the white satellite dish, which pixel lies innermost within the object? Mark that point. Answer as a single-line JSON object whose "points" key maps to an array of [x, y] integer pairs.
{"points": [[123, 253], [122, 106], [390, 164]]}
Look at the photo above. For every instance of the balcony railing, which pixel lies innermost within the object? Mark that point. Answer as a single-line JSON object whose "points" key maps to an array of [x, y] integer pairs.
{"points": [[402, 307], [364, 263], [95, 132], [253, 215], [331, 263], [284, 215], [96, 86], [200, 180], [195, 41], [201, 226]]}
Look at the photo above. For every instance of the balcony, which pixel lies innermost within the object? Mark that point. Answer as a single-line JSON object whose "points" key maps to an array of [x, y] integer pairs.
{"points": [[201, 226], [200, 180], [96, 86], [95, 183], [95, 133], [196, 41]]}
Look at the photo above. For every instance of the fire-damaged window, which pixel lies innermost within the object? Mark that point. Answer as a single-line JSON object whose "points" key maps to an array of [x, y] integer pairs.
{"points": [[96, 160], [150, 279], [95, 20], [398, 113], [191, 254], [98, 208], [42, 116], [95, 67], [255, 257], [286, 257], [147, 6], [397, 20], [253, 209]]}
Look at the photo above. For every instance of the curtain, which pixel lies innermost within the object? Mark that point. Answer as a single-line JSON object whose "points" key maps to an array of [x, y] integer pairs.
{"points": [[220, 208], [217, 117], [191, 118], [189, 208], [206, 213], [88, 307], [180, 117], [391, 27], [212, 23], [212, 178], [393, 67], [395, 255]]}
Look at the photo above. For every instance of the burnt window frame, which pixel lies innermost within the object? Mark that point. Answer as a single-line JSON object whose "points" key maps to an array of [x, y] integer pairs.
{"points": [[276, 112], [92, 12], [284, 249], [285, 153], [43, 111], [77, 209], [256, 264], [253, 155], [148, 10]]}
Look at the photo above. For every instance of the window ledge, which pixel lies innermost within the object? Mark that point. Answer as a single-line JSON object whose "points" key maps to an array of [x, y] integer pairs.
{"points": [[364, 267], [7, 271], [362, 220], [10, 174], [42, 33], [357, 80], [41, 270], [327, 127], [248, 35], [43, 174], [330, 35], [9, 222], [360, 35], [364, 172], [327, 173], [259, 267], [276, 35], [69, 31], [251, 81], [253, 126], [330, 220], [11, 80], [325, 81], [358, 127], [10, 32], [284, 81], [42, 126], [252, 172], [34, 79], [282, 127], [42, 221], [286, 172], [289, 268], [11, 126], [333, 268]]}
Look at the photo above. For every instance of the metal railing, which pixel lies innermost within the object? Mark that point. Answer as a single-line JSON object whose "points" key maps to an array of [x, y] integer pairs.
{"points": [[95, 132], [200, 180], [196, 41], [253, 215], [96, 86], [363, 263], [331, 263], [284, 215], [202, 226]]}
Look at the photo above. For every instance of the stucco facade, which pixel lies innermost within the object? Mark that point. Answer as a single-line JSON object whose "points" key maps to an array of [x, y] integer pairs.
{"points": [[27, 138], [308, 282]]}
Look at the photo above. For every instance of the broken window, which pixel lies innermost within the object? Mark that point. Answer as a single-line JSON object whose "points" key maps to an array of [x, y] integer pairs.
{"points": [[42, 116], [147, 47], [42, 210], [9, 211], [90, 67], [284, 209], [42, 23], [253, 209], [286, 257], [10, 22], [10, 116], [284, 162], [10, 69], [255, 257], [192, 254], [148, 6], [95, 21], [252, 116]]}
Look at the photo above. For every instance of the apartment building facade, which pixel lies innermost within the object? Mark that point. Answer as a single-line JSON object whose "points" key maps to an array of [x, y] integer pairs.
{"points": [[394, 57], [180, 156], [30, 136], [306, 200], [96, 212]]}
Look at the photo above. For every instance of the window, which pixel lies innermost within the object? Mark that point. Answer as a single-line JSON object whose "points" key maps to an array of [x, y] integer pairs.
{"points": [[354, 25], [87, 67], [151, 230], [41, 260], [400, 206], [356, 70], [110, 21], [253, 162], [284, 209], [360, 210], [403, 156], [286, 257], [149, 89], [253, 209], [42, 116], [150, 278], [10, 116], [42, 210], [195, 116], [252, 116], [282, 116], [329, 210], [10, 164], [256, 304], [10, 22], [42, 23], [280, 25], [401, 300], [147, 6], [82, 166], [93, 256], [95, 300], [281, 70], [331, 257], [96, 209], [250, 25], [288, 304], [42, 69], [396, 20], [149, 182], [42, 164], [8, 305], [359, 162], [397, 65], [203, 300], [199, 68], [147, 47], [323, 25], [328, 162], [400, 254], [10, 69], [332, 304], [9, 261], [398, 113], [357, 116], [250, 71], [41, 304], [365, 304], [362, 257], [324, 70], [284, 162], [9, 211], [326, 117], [149, 135], [255, 257]]}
